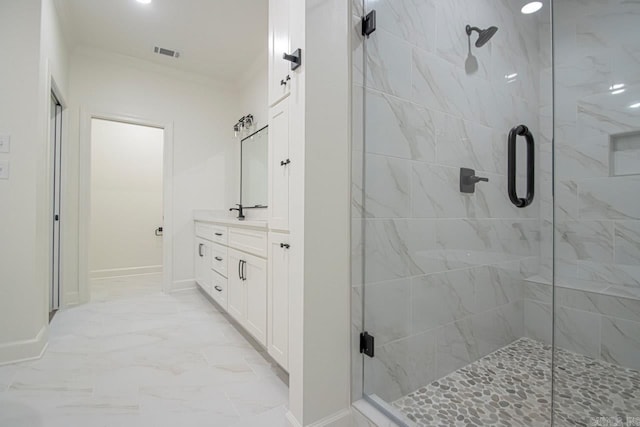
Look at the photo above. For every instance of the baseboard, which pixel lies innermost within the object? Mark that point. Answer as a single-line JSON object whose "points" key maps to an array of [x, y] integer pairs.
{"points": [[182, 285], [130, 271], [22, 351], [339, 419]]}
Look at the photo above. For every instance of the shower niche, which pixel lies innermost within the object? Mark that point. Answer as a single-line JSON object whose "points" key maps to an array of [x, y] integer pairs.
{"points": [[625, 154]]}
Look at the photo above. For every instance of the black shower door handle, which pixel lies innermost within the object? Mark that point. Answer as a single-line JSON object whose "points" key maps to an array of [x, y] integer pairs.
{"points": [[520, 130]]}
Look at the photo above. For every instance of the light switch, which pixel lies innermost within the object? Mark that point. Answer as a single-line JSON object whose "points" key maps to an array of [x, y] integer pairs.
{"points": [[5, 141], [4, 169]]}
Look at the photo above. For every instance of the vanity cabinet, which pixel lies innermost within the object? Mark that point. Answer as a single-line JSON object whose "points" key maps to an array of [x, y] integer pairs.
{"points": [[278, 298], [231, 266], [203, 264], [279, 166], [247, 295], [211, 261], [279, 69]]}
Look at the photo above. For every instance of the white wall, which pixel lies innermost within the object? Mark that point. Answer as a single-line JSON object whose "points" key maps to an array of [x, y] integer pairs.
{"points": [[319, 328], [202, 113], [253, 90], [126, 198], [30, 36]]}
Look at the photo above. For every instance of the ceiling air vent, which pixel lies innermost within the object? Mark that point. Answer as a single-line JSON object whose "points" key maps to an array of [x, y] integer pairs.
{"points": [[166, 52]]}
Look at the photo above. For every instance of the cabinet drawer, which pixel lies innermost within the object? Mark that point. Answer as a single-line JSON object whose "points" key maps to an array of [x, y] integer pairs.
{"points": [[219, 289], [251, 241], [220, 234], [219, 259], [214, 233]]}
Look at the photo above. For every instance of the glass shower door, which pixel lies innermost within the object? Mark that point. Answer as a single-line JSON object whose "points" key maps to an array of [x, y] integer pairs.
{"points": [[597, 213], [454, 279]]}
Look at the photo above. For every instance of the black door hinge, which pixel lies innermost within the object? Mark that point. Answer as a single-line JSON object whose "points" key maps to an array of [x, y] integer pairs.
{"points": [[366, 344], [369, 23]]}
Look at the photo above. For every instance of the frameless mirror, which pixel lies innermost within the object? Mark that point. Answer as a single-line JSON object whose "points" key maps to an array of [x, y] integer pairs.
{"points": [[253, 183]]}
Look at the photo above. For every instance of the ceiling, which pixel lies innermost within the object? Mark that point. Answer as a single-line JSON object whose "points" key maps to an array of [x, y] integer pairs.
{"points": [[219, 38]]}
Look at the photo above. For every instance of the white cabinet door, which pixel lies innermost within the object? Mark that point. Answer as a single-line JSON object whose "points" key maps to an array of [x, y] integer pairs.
{"points": [[236, 287], [255, 274], [279, 166], [203, 264], [279, 69], [278, 299]]}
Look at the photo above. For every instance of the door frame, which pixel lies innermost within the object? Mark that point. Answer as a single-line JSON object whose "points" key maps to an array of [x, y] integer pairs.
{"points": [[86, 117], [53, 89]]}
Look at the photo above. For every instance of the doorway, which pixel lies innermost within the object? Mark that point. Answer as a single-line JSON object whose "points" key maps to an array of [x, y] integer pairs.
{"points": [[126, 208], [56, 150]]}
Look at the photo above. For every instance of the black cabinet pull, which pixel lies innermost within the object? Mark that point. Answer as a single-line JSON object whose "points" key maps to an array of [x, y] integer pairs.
{"points": [[285, 162], [200, 245], [240, 269], [244, 271], [285, 245], [218, 258], [219, 234], [217, 288], [520, 130]]}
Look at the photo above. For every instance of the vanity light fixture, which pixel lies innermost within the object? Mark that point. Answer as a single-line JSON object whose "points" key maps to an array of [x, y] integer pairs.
{"points": [[144, 1], [245, 122], [531, 7]]}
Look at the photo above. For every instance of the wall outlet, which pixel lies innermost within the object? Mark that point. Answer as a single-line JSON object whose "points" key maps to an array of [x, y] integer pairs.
{"points": [[5, 141], [4, 169]]}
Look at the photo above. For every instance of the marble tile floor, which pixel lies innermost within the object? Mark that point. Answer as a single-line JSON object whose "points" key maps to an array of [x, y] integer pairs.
{"points": [[512, 387], [135, 356]]}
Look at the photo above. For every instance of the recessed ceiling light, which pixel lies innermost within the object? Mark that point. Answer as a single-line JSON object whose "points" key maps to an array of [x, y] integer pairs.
{"points": [[616, 86], [531, 7], [616, 92], [144, 1], [636, 105]]}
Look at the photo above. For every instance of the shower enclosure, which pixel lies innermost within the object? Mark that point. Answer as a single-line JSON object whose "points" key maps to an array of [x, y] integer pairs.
{"points": [[496, 211]]}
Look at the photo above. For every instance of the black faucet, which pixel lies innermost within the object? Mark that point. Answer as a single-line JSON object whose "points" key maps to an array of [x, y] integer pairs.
{"points": [[241, 210]]}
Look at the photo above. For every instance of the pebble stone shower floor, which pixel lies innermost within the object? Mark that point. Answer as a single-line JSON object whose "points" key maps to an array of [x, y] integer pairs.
{"points": [[511, 387]]}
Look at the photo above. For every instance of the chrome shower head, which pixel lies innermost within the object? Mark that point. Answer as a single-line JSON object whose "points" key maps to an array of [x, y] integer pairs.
{"points": [[483, 35]]}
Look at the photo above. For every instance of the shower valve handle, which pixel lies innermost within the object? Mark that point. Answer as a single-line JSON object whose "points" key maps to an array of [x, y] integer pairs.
{"points": [[469, 179], [474, 179]]}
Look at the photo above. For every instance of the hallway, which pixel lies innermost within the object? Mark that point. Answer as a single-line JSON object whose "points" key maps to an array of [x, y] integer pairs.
{"points": [[135, 356]]}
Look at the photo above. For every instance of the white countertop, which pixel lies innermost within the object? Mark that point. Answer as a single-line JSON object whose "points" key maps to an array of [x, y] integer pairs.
{"points": [[215, 217]]}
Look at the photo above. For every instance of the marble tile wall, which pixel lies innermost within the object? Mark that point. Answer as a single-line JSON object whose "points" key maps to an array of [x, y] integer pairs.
{"points": [[440, 272], [597, 80], [587, 320]]}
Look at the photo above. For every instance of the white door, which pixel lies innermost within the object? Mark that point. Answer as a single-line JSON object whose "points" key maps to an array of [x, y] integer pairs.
{"points": [[280, 165], [255, 274], [56, 150], [236, 287], [278, 298]]}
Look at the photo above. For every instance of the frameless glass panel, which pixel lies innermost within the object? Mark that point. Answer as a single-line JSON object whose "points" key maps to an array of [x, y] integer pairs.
{"points": [[456, 273], [597, 213]]}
